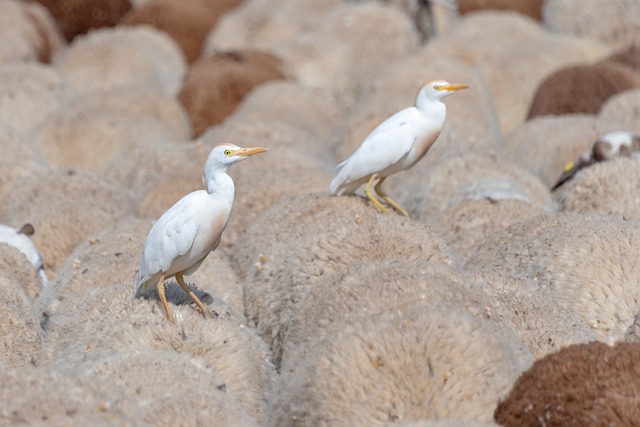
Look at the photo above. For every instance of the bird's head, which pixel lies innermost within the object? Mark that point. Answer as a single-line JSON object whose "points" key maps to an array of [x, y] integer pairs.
{"points": [[224, 155], [439, 89]]}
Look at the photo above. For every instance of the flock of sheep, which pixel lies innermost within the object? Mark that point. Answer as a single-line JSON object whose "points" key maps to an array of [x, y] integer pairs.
{"points": [[497, 302]]}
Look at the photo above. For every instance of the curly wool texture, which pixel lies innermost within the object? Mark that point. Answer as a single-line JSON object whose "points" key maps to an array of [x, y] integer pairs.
{"points": [[589, 384], [370, 290], [581, 89], [546, 144], [27, 33], [94, 395], [610, 188], [20, 331], [587, 262], [286, 250], [81, 331], [96, 132], [430, 362], [470, 223], [64, 209], [426, 191], [15, 263], [123, 58]]}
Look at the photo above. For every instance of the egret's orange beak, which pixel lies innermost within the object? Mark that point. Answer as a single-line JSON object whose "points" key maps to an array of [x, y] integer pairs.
{"points": [[246, 152], [453, 87]]}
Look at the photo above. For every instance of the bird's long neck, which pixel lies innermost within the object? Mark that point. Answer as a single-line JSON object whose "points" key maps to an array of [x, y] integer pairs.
{"points": [[219, 183], [431, 108]]}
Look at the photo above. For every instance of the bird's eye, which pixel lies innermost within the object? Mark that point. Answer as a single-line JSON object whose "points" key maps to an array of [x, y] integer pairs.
{"points": [[227, 152], [437, 87]]}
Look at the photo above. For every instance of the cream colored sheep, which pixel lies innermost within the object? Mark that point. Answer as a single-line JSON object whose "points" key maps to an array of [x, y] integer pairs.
{"points": [[27, 33], [620, 112], [19, 159], [546, 144], [123, 57], [315, 110], [19, 330], [587, 262], [99, 130], [617, 24], [374, 33], [85, 328], [431, 362], [426, 191], [65, 208], [370, 290], [611, 188], [298, 241], [151, 387], [542, 323], [30, 93], [471, 222]]}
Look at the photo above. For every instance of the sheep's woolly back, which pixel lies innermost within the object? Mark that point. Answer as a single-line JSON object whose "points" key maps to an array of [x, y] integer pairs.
{"points": [[19, 159], [589, 384], [587, 262], [315, 110], [98, 131], [471, 223], [85, 328], [304, 238], [370, 290], [19, 329], [14, 262], [431, 362], [224, 80], [31, 93], [104, 258], [27, 33], [425, 191], [64, 209], [617, 24], [621, 112], [150, 387], [546, 144], [611, 188], [533, 313], [123, 57]]}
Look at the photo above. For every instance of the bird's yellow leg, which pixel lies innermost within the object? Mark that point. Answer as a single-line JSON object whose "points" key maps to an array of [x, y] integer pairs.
{"points": [[163, 299], [180, 279], [388, 199], [370, 196]]}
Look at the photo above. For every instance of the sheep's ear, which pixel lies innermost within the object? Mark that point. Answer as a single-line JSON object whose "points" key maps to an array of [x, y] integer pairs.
{"points": [[27, 229]]}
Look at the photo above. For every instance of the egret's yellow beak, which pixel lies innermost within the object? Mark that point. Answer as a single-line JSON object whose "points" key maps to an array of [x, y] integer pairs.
{"points": [[453, 87], [246, 152]]}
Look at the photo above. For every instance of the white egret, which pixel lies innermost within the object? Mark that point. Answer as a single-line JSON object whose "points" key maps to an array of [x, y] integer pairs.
{"points": [[186, 233], [606, 147], [396, 144]]}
